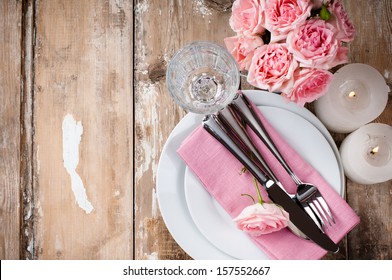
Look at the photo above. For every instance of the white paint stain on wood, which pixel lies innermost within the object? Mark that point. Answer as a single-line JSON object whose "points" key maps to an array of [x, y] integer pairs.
{"points": [[38, 161], [142, 7], [141, 233], [386, 74], [152, 256], [29, 212], [201, 8], [147, 151], [154, 204], [72, 134], [30, 246], [58, 244], [39, 210]]}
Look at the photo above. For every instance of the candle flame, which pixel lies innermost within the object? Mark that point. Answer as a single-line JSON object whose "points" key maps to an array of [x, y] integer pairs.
{"points": [[352, 94], [375, 150]]}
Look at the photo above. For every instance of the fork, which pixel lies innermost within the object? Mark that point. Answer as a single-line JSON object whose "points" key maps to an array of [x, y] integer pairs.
{"points": [[238, 134], [307, 194]]}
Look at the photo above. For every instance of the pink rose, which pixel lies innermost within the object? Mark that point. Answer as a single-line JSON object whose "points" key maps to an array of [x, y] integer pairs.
{"points": [[242, 48], [340, 19], [282, 16], [272, 68], [317, 4], [247, 17], [260, 219], [309, 85], [314, 44]]}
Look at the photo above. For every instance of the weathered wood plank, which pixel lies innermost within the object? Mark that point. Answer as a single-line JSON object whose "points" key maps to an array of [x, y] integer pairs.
{"points": [[10, 57], [26, 132], [83, 115], [156, 114], [372, 239], [186, 22], [372, 44]]}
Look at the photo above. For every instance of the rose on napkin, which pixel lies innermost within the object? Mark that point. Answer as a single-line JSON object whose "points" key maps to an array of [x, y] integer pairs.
{"points": [[304, 34], [258, 219], [261, 217]]}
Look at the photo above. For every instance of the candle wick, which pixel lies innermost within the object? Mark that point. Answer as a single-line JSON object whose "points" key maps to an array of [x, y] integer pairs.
{"points": [[374, 150]]}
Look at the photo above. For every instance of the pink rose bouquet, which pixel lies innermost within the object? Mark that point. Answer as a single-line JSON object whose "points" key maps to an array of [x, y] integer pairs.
{"points": [[314, 44], [288, 46], [248, 17], [243, 48], [272, 67], [282, 17], [341, 21], [310, 84]]}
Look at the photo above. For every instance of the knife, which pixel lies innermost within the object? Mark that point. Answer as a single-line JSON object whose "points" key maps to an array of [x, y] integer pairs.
{"points": [[246, 116], [242, 106], [238, 134], [232, 125], [298, 216]]}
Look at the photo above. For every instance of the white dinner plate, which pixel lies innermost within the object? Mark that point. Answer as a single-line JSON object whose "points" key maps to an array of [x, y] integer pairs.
{"points": [[171, 174], [213, 221]]}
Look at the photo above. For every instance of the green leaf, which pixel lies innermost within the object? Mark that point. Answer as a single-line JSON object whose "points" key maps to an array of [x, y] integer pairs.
{"points": [[324, 13]]}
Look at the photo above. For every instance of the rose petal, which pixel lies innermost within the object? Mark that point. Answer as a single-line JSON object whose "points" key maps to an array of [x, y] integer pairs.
{"points": [[260, 219]]}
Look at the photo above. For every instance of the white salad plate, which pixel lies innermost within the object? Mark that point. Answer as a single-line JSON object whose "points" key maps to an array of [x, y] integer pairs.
{"points": [[173, 180]]}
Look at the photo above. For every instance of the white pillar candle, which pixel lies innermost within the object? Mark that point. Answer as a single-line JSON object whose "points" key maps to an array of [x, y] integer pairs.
{"points": [[367, 154], [357, 95]]}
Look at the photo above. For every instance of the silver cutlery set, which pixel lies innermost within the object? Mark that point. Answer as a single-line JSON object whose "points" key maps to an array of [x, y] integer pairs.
{"points": [[203, 78], [308, 210]]}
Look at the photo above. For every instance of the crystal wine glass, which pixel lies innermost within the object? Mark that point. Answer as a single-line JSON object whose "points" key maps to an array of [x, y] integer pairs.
{"points": [[203, 77]]}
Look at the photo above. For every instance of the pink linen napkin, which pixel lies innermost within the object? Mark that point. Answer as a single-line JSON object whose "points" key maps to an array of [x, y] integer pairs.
{"points": [[219, 171]]}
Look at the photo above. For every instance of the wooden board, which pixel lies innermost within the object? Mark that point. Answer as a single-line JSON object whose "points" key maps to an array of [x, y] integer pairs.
{"points": [[156, 115], [372, 239], [10, 77], [99, 66], [179, 23], [83, 117]]}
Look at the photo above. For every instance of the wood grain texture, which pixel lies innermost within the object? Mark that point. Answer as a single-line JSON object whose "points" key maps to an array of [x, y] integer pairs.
{"points": [[372, 44], [83, 67], [179, 22], [10, 36], [372, 238], [104, 62], [26, 132], [179, 26]]}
